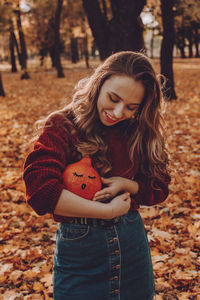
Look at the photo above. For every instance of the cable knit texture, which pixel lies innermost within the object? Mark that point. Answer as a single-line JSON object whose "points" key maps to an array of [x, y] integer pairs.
{"points": [[53, 151]]}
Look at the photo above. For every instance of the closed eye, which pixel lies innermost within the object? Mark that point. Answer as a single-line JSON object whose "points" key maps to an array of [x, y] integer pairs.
{"points": [[78, 175], [92, 177], [133, 108], [112, 99]]}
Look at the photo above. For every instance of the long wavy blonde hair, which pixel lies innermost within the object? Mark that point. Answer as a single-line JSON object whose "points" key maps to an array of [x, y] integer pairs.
{"points": [[145, 132]]}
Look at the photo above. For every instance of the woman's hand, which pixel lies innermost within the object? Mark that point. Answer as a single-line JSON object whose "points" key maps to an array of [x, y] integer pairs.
{"points": [[120, 205], [114, 186]]}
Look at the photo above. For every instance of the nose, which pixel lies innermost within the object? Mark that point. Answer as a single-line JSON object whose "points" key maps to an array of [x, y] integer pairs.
{"points": [[119, 110]]}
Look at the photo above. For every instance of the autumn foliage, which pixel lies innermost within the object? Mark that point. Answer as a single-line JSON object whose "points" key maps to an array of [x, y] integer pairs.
{"points": [[27, 241]]}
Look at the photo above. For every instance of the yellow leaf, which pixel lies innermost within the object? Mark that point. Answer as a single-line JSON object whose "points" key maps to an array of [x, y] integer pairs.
{"points": [[37, 286]]}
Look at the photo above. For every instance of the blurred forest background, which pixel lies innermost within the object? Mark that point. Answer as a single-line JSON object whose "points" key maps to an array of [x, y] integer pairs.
{"points": [[46, 46], [67, 29]]}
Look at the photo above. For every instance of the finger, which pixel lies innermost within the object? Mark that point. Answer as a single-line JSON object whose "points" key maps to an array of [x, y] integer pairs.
{"points": [[103, 197], [128, 200], [99, 197], [127, 196], [98, 194], [105, 180], [102, 192]]}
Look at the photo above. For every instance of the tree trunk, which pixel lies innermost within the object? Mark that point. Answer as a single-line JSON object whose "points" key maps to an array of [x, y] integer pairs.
{"points": [[180, 41], [85, 40], [93, 49], [189, 34], [12, 52], [104, 8], [197, 49], [2, 93], [85, 51], [99, 26], [74, 50], [123, 32], [182, 50], [57, 46], [190, 48], [17, 48], [23, 52], [196, 37], [127, 26], [166, 58], [52, 55]]}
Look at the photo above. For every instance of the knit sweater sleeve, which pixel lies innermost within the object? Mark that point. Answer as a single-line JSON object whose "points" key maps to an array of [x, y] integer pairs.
{"points": [[43, 168], [147, 195]]}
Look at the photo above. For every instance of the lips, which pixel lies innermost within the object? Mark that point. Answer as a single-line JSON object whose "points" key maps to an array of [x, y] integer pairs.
{"points": [[110, 118]]}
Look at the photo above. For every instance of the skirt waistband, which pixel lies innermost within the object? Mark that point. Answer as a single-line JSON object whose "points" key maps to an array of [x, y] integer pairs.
{"points": [[94, 222]]}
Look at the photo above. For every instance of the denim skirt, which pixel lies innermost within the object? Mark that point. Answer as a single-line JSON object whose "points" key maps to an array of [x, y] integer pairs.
{"points": [[98, 263]]}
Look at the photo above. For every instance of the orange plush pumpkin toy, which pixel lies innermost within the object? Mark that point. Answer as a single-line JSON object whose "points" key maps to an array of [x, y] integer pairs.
{"points": [[82, 179]]}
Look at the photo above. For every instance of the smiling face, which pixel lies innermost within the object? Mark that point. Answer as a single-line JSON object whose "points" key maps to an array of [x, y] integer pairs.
{"points": [[119, 99]]}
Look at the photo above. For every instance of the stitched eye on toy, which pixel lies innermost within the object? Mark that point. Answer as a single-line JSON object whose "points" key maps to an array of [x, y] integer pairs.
{"points": [[92, 177], [78, 175]]}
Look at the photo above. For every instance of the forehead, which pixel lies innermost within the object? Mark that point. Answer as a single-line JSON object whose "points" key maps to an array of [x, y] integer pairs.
{"points": [[125, 87]]}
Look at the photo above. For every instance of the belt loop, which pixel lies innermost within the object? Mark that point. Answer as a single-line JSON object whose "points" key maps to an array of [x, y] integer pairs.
{"points": [[85, 221], [81, 220]]}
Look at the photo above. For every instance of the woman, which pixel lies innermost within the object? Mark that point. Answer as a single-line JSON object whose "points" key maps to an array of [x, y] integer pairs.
{"points": [[102, 250]]}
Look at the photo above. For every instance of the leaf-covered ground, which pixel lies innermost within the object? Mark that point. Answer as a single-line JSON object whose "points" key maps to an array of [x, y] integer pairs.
{"points": [[27, 241]]}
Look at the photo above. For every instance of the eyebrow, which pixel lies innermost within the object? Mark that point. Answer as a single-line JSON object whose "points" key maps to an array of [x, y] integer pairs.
{"points": [[122, 99]]}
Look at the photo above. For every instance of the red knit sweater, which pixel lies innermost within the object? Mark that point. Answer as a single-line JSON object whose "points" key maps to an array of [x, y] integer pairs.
{"points": [[53, 150]]}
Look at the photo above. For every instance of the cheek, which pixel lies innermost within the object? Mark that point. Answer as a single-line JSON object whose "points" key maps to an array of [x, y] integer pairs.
{"points": [[130, 114], [102, 101], [99, 104]]}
